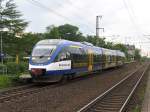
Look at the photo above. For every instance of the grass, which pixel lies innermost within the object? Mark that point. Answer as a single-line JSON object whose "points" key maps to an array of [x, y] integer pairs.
{"points": [[140, 95], [7, 81], [137, 109]]}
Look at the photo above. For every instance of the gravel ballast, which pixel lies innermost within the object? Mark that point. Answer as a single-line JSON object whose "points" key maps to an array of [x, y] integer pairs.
{"points": [[71, 96]]}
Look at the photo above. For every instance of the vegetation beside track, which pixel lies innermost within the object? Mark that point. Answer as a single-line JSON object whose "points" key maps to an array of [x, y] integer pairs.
{"points": [[140, 97], [14, 68], [11, 78], [8, 81], [135, 104]]}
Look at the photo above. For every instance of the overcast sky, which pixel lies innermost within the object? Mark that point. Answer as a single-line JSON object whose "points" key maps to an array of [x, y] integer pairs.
{"points": [[125, 21]]}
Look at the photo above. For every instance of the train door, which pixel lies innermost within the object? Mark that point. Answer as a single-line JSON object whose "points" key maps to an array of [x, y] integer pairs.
{"points": [[90, 60]]}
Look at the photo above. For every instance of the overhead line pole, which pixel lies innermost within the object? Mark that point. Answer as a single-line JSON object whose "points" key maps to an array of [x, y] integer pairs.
{"points": [[1, 34], [98, 27], [1, 47]]}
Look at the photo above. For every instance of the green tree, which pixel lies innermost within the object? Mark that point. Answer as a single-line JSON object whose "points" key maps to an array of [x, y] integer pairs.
{"points": [[121, 47], [67, 31], [21, 46], [52, 32], [27, 43], [10, 17], [109, 45], [10, 44], [137, 55], [96, 41]]}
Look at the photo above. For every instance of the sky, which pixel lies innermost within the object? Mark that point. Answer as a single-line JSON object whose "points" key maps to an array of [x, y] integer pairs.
{"points": [[124, 21]]}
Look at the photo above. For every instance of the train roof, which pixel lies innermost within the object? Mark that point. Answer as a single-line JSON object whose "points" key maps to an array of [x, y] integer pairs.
{"points": [[64, 42], [56, 42], [81, 44], [119, 53], [49, 41], [109, 51]]}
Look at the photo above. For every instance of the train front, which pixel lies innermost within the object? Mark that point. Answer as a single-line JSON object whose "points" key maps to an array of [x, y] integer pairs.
{"points": [[41, 65]]}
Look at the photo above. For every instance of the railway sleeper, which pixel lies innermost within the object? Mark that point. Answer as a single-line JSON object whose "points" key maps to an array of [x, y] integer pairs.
{"points": [[108, 108], [105, 109], [113, 99], [111, 103]]}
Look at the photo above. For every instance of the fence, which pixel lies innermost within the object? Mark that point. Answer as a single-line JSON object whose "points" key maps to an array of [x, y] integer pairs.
{"points": [[3, 69]]}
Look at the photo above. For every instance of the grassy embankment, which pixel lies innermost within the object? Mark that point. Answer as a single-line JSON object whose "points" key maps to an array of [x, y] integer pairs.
{"points": [[8, 81], [11, 77]]}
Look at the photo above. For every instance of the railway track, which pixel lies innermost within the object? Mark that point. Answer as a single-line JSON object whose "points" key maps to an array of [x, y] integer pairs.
{"points": [[17, 92], [117, 97], [15, 89]]}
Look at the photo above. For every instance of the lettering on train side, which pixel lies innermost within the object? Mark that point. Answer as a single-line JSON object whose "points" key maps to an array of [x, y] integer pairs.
{"points": [[64, 65]]}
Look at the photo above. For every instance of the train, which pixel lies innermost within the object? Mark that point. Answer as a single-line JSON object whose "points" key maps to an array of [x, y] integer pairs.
{"points": [[53, 60]]}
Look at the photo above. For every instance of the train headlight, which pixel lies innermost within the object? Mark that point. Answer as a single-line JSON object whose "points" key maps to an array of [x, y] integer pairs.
{"points": [[33, 58]]}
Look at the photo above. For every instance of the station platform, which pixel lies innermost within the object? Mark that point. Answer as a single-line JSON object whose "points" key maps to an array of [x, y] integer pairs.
{"points": [[146, 102]]}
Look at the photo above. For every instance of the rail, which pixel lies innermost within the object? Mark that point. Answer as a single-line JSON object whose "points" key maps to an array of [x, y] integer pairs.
{"points": [[111, 99]]}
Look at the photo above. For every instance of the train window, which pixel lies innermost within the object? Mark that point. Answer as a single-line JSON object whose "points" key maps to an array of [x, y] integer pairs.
{"points": [[63, 55], [42, 53], [77, 55], [109, 58]]}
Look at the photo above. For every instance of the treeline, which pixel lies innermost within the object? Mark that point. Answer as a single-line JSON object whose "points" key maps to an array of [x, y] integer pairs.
{"points": [[23, 45], [15, 42]]}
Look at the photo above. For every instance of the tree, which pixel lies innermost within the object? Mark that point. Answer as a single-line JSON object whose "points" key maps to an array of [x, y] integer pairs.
{"points": [[109, 45], [96, 41], [21, 46], [121, 47], [10, 17], [52, 32], [67, 31], [137, 55]]}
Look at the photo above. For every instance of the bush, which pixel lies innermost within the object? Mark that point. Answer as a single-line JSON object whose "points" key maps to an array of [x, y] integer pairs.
{"points": [[3, 69], [5, 81], [9, 81], [23, 67], [13, 68]]}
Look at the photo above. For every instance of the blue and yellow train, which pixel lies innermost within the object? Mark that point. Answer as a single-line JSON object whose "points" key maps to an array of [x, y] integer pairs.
{"points": [[54, 59]]}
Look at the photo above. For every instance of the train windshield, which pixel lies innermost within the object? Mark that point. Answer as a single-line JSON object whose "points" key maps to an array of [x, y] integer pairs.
{"points": [[42, 54]]}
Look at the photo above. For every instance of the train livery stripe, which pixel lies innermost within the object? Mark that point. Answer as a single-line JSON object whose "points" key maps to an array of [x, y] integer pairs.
{"points": [[62, 65], [90, 59]]}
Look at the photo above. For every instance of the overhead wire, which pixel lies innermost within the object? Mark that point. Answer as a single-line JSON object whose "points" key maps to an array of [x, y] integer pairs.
{"points": [[132, 16], [79, 16], [81, 9], [77, 8], [39, 4]]}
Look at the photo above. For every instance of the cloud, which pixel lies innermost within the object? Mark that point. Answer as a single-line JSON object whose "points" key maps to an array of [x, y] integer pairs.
{"points": [[127, 18]]}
